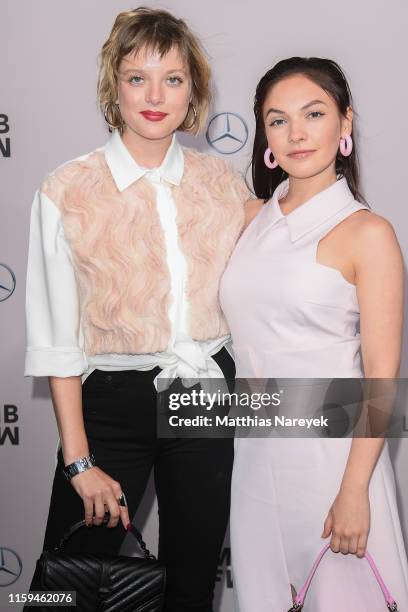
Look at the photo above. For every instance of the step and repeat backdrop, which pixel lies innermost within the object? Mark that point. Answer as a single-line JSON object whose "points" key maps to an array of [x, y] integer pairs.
{"points": [[48, 114]]}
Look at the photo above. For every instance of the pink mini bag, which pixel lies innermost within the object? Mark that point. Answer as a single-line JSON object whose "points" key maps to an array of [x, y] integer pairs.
{"points": [[300, 597]]}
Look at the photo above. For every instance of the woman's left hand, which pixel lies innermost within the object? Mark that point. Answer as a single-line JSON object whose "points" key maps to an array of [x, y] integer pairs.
{"points": [[348, 522]]}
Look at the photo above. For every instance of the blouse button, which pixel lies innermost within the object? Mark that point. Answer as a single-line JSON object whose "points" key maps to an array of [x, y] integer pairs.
{"points": [[109, 378]]}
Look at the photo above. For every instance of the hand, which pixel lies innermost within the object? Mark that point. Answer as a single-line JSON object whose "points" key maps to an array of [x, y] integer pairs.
{"points": [[98, 489], [348, 521]]}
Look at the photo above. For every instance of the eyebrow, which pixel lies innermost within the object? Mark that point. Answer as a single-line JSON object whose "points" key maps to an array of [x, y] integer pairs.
{"points": [[281, 112], [130, 70]]}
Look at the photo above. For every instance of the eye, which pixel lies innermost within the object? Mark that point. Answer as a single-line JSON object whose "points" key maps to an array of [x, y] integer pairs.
{"points": [[135, 79], [315, 114], [277, 122], [174, 80]]}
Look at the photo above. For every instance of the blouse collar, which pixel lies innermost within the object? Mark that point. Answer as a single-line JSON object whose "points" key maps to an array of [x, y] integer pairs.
{"points": [[125, 170], [308, 216]]}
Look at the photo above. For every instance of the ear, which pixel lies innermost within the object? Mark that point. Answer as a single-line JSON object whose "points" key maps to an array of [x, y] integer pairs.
{"points": [[347, 122]]}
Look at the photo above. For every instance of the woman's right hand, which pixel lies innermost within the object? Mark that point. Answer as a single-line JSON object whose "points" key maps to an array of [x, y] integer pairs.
{"points": [[95, 487], [97, 490]]}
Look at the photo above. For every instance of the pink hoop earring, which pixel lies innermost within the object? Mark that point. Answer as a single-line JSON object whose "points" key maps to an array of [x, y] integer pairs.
{"points": [[346, 145], [267, 160]]}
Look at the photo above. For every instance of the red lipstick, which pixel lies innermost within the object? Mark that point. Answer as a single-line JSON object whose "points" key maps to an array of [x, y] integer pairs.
{"points": [[153, 115]]}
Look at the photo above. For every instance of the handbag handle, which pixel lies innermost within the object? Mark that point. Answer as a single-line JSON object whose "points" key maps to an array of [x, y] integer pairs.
{"points": [[300, 597], [131, 528]]}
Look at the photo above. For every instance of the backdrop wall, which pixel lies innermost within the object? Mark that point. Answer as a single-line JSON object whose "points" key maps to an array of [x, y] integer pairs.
{"points": [[48, 114]]}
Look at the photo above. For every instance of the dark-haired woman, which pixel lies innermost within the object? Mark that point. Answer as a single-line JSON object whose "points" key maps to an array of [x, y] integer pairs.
{"points": [[318, 266], [127, 245]]}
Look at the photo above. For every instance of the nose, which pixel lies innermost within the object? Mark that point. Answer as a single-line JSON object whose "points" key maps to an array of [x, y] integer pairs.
{"points": [[297, 133], [154, 93]]}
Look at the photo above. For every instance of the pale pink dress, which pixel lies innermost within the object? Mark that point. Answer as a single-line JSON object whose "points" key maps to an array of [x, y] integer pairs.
{"points": [[292, 317]]}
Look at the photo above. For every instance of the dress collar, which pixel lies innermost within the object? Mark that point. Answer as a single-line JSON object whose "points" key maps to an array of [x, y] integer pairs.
{"points": [[306, 217], [125, 170]]}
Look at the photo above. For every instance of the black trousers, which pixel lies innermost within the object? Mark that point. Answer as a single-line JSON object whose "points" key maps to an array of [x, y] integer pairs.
{"points": [[192, 480]]}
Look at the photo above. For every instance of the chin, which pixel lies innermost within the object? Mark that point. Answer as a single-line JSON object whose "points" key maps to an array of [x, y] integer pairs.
{"points": [[305, 171], [301, 174], [156, 131]]}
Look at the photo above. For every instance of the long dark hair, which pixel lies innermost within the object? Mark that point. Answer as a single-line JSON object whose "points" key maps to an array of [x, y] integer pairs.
{"points": [[330, 77]]}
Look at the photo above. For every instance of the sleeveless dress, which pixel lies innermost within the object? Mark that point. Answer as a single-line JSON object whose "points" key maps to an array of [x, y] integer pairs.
{"points": [[292, 317]]}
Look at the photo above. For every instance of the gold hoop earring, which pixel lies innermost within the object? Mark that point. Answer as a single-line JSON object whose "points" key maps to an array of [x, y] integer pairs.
{"points": [[194, 120]]}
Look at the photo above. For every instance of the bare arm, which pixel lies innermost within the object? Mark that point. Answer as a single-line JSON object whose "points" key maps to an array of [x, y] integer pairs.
{"points": [[95, 487], [380, 288], [379, 280], [66, 396]]}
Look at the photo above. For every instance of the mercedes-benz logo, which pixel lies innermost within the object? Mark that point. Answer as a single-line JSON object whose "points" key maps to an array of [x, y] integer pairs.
{"points": [[7, 282], [10, 566], [227, 133]]}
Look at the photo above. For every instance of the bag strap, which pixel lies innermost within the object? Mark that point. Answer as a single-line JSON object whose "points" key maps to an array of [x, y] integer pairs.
{"points": [[300, 597], [131, 528]]}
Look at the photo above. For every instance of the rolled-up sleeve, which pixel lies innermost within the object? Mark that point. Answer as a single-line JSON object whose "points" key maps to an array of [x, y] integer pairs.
{"points": [[54, 342]]}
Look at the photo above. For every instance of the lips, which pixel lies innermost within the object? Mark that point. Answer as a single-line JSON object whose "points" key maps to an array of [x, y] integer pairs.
{"points": [[153, 115], [301, 154]]}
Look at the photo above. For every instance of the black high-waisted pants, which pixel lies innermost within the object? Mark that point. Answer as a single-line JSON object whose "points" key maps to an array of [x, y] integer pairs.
{"points": [[192, 480]]}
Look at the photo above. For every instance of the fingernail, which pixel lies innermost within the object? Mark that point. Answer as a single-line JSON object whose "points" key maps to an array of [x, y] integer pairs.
{"points": [[128, 526]]}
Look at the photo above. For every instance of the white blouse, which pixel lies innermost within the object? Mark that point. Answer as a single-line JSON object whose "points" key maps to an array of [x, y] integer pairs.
{"points": [[55, 342]]}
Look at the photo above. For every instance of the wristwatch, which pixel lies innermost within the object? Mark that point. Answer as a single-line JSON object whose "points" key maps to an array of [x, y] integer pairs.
{"points": [[80, 465]]}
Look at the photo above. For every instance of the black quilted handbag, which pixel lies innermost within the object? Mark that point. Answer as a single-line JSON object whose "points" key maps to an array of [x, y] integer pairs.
{"points": [[103, 583]]}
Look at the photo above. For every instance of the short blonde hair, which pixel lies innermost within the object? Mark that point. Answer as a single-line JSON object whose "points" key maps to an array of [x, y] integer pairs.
{"points": [[157, 30]]}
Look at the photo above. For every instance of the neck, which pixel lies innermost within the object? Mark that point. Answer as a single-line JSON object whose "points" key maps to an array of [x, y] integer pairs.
{"points": [[147, 152], [303, 189]]}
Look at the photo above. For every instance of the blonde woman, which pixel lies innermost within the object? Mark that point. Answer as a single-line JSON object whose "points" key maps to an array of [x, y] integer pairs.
{"points": [[127, 245]]}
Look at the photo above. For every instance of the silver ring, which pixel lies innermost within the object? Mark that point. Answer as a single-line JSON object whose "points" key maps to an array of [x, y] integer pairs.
{"points": [[122, 500]]}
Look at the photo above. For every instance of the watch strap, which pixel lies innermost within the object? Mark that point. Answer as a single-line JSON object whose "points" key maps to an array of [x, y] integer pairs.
{"points": [[80, 465]]}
